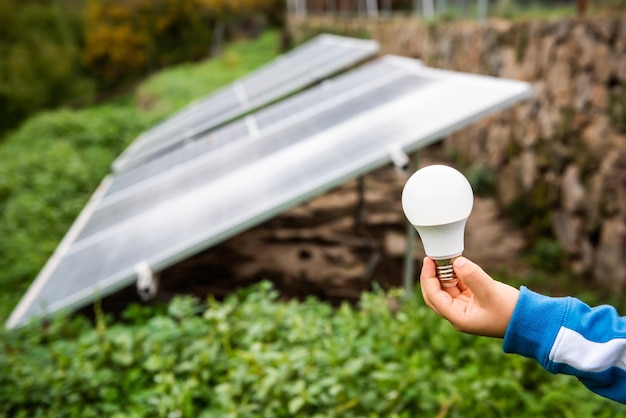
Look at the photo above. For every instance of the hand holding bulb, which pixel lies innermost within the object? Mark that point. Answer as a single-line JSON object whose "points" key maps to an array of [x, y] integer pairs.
{"points": [[437, 200], [477, 305]]}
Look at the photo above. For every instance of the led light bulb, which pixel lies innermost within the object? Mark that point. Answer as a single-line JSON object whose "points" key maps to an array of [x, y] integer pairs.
{"points": [[437, 200]]}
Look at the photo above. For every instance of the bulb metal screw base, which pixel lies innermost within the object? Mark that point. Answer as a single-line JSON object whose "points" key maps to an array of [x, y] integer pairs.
{"points": [[445, 272]]}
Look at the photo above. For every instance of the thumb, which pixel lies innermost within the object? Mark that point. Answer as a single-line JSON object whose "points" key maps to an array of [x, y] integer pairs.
{"points": [[472, 276]]}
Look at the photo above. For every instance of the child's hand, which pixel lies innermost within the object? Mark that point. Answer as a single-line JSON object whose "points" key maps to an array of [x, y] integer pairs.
{"points": [[476, 305]]}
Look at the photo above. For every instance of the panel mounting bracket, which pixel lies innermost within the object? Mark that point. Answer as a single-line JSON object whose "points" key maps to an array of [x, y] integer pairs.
{"points": [[400, 159], [147, 282]]}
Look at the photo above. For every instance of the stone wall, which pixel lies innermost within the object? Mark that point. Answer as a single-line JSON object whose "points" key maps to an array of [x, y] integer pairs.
{"points": [[560, 157]]}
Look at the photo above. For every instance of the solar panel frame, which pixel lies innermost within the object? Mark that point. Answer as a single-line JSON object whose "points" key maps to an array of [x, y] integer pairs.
{"points": [[325, 159]]}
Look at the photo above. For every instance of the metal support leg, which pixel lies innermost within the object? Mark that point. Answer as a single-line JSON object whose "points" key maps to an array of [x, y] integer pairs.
{"points": [[408, 279], [409, 262]]}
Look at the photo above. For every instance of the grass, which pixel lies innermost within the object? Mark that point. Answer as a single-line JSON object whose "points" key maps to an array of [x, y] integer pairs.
{"points": [[252, 355]]}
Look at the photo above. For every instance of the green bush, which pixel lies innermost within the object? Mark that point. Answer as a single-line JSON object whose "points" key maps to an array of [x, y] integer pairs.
{"points": [[254, 356], [483, 180], [40, 44], [49, 169], [548, 256]]}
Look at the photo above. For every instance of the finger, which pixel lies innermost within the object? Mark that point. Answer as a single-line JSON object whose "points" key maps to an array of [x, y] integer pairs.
{"points": [[438, 299], [428, 268], [429, 283], [472, 277], [461, 285]]}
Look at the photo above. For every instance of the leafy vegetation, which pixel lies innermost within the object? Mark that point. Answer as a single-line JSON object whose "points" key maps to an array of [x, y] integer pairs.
{"points": [[483, 180], [254, 356], [54, 162]]}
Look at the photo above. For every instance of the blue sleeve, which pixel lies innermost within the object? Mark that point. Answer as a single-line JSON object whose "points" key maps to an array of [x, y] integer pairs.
{"points": [[567, 336]]}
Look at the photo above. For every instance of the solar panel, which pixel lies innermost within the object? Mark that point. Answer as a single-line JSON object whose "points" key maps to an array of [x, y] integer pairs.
{"points": [[311, 62], [239, 175]]}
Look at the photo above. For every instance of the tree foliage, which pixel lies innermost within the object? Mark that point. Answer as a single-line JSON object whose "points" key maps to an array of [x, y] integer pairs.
{"points": [[40, 45]]}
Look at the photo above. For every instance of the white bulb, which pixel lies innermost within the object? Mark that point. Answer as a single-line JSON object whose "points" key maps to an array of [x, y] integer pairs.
{"points": [[437, 200]]}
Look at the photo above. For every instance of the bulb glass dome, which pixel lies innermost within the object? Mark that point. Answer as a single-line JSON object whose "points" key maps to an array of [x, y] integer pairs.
{"points": [[437, 195], [437, 200]]}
